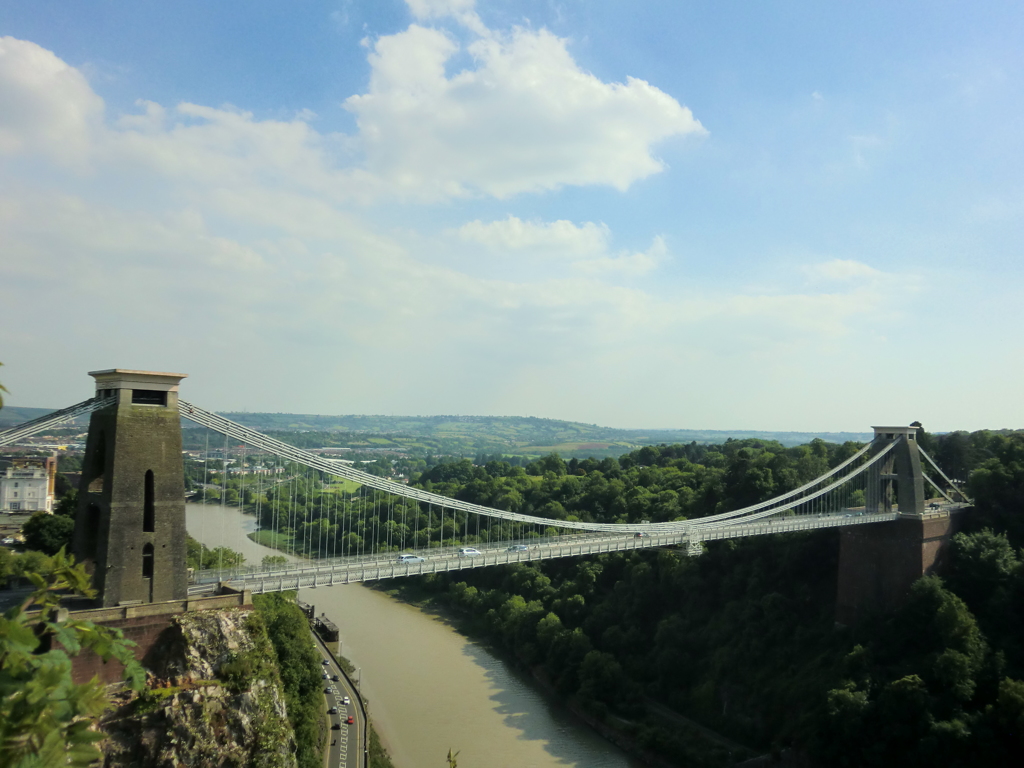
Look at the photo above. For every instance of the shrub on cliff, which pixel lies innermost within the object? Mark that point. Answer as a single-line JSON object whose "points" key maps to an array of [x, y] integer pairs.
{"points": [[299, 665]]}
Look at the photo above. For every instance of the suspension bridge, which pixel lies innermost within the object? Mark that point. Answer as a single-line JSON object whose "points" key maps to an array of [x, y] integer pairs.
{"points": [[370, 528]]}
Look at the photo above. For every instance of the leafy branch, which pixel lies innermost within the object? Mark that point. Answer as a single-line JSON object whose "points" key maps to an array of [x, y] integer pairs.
{"points": [[46, 720]]}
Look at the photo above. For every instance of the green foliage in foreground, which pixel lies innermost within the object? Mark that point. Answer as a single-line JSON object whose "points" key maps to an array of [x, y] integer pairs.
{"points": [[45, 719], [299, 664]]}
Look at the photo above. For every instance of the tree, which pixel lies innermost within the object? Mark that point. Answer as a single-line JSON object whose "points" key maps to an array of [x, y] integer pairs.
{"points": [[199, 557], [67, 504], [45, 719], [997, 487], [7, 560], [48, 533], [602, 678], [551, 463], [980, 564]]}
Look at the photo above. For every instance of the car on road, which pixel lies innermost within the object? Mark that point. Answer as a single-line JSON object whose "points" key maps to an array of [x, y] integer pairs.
{"points": [[326, 676], [327, 690], [336, 727], [324, 661], [351, 720], [332, 711], [469, 552], [346, 700], [518, 548], [410, 559], [335, 678], [641, 535]]}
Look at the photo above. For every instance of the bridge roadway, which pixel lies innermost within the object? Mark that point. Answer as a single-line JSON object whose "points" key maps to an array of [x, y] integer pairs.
{"points": [[310, 574]]}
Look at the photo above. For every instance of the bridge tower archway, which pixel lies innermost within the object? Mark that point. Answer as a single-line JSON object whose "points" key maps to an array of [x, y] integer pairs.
{"points": [[130, 526]]}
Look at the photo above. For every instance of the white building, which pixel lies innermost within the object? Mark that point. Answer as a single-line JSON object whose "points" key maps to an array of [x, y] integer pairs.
{"points": [[28, 486]]}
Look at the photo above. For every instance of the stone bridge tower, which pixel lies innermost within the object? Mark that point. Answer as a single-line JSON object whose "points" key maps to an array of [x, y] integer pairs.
{"points": [[879, 562], [130, 522], [901, 468]]}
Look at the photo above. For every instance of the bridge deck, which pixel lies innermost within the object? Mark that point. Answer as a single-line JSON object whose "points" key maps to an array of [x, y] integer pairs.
{"points": [[348, 570]]}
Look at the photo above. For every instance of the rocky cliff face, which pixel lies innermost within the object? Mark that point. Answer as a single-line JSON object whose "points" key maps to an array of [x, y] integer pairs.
{"points": [[214, 699]]}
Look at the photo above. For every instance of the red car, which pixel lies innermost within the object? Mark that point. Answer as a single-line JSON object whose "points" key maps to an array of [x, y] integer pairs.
{"points": [[351, 720]]}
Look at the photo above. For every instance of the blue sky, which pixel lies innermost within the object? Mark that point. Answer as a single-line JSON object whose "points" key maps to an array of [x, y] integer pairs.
{"points": [[787, 216]]}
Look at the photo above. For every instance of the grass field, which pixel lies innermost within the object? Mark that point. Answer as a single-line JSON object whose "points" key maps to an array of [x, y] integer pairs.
{"points": [[279, 541], [344, 486], [576, 448]]}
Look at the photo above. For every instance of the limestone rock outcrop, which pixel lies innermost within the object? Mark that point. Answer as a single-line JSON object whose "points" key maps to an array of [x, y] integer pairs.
{"points": [[214, 698]]}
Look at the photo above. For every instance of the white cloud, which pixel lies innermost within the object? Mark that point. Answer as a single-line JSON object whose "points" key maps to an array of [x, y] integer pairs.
{"points": [[45, 105], [526, 119], [427, 9], [461, 10], [627, 264], [195, 144], [585, 245], [842, 270], [515, 234]]}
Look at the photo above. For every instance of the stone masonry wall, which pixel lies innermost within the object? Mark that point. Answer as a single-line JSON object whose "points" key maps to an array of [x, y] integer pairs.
{"points": [[879, 562]]}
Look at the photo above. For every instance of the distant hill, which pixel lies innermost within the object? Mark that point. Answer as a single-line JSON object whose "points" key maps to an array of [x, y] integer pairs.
{"points": [[12, 415], [471, 435]]}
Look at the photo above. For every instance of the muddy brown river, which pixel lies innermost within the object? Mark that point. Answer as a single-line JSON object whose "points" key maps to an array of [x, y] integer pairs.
{"points": [[430, 688]]}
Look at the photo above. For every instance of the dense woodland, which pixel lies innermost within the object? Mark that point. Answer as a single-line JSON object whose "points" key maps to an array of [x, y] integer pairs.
{"points": [[743, 638]]}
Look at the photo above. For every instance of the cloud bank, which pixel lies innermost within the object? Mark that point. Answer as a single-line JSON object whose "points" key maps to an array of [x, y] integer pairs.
{"points": [[249, 252]]}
